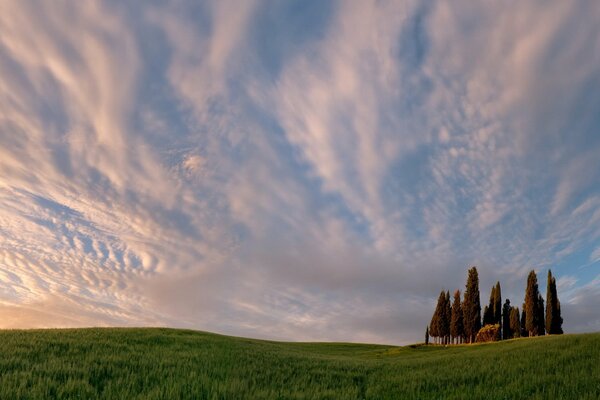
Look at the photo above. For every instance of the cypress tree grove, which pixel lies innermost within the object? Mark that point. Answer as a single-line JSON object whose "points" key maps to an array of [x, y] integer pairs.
{"points": [[540, 317], [456, 321], [506, 329], [459, 321], [553, 318], [515, 324], [531, 308], [472, 306]]}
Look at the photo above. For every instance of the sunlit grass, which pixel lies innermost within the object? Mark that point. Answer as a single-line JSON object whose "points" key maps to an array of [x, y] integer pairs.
{"points": [[179, 364]]}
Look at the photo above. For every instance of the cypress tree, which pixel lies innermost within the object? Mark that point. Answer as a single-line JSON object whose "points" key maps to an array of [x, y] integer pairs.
{"points": [[441, 318], [553, 318], [456, 320], [434, 326], [488, 311], [506, 329], [540, 318], [515, 324], [531, 309], [559, 321], [524, 332], [448, 317], [472, 306], [551, 303], [444, 319], [487, 317], [426, 335], [492, 313], [498, 305]]}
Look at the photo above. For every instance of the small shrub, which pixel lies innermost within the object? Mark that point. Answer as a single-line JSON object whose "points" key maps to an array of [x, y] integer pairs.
{"points": [[489, 333]]}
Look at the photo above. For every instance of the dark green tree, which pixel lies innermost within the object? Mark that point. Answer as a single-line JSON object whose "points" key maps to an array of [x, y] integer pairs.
{"points": [[553, 318], [506, 329], [540, 317], [434, 326], [457, 330], [515, 323], [524, 332], [497, 309], [426, 335], [492, 313], [559, 320], [472, 306], [432, 323], [532, 296], [487, 315], [488, 311], [440, 327], [445, 319]]}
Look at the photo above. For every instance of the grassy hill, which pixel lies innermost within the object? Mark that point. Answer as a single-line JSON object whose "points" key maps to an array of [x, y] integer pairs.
{"points": [[181, 364]]}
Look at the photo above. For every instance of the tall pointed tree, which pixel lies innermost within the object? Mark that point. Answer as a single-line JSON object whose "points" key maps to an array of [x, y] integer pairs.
{"points": [[456, 321], [497, 309], [553, 318], [447, 317], [443, 324], [488, 311], [540, 317], [524, 332], [559, 320], [472, 306], [434, 326], [515, 323], [432, 332], [506, 330], [487, 315], [492, 313], [426, 335], [532, 295]]}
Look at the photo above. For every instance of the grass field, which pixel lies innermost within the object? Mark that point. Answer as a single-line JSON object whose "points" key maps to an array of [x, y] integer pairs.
{"points": [[180, 364]]}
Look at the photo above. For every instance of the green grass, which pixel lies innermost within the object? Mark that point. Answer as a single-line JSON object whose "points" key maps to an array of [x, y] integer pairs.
{"points": [[180, 364]]}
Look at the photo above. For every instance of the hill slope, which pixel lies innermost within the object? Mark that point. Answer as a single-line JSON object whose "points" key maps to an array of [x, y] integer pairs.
{"points": [[174, 364]]}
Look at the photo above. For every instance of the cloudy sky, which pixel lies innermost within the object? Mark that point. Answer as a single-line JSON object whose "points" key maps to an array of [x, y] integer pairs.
{"points": [[296, 170]]}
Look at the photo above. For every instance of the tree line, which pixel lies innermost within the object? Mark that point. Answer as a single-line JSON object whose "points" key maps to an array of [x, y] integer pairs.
{"points": [[457, 321]]}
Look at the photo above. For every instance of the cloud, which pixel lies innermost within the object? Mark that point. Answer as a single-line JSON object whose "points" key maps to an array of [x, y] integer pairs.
{"points": [[595, 256], [333, 105], [203, 54], [297, 171]]}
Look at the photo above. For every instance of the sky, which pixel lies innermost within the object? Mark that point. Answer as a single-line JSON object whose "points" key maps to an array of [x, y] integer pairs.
{"points": [[295, 170]]}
